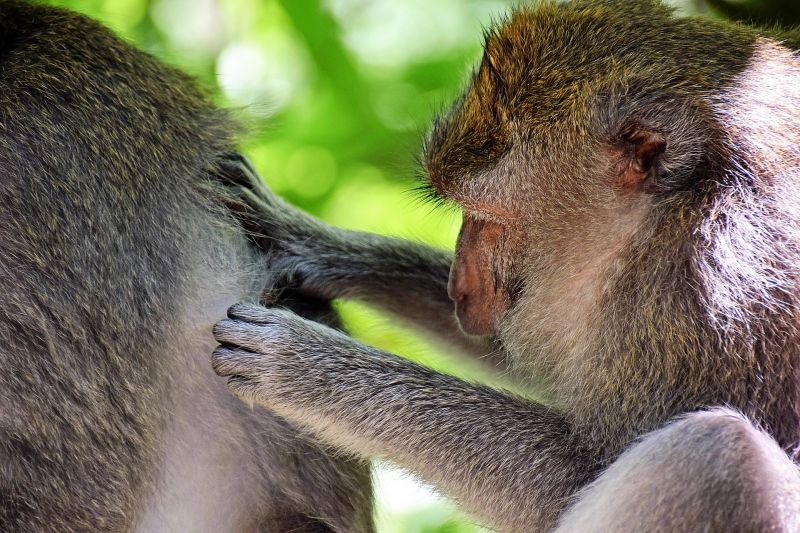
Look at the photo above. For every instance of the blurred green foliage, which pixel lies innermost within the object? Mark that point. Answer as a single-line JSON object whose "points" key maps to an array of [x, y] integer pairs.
{"points": [[336, 96], [765, 12]]}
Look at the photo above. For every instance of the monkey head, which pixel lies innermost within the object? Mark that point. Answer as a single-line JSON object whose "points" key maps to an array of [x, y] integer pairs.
{"points": [[584, 154]]}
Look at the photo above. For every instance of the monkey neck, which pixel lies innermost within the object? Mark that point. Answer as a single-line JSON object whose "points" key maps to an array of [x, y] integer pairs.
{"points": [[702, 310], [705, 316]]}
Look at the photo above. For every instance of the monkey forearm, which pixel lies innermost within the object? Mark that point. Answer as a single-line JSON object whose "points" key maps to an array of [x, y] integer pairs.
{"points": [[380, 270], [378, 405], [406, 279], [448, 432]]}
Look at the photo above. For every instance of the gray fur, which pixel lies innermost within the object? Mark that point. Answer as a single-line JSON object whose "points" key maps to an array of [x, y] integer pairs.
{"points": [[116, 259], [658, 315]]}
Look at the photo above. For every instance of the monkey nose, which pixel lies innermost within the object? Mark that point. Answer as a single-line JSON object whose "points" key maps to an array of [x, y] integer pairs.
{"points": [[451, 291], [455, 290]]}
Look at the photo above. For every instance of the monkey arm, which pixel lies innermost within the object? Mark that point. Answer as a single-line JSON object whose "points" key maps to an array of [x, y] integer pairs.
{"points": [[378, 405], [403, 278]]}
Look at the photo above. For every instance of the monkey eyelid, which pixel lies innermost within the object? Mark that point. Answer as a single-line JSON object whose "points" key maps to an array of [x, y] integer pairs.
{"points": [[487, 212]]}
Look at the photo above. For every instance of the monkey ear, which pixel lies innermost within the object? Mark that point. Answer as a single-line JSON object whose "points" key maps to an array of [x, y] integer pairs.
{"points": [[640, 150]]}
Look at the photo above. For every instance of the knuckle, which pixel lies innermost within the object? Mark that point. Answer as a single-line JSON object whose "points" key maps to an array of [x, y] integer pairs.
{"points": [[219, 329], [220, 362], [248, 313], [236, 309]]}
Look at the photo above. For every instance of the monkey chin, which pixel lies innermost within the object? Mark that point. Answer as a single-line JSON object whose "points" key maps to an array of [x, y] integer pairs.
{"points": [[476, 319]]}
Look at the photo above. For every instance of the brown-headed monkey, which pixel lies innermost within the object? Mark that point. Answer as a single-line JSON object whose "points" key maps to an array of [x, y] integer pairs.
{"points": [[119, 252], [630, 183]]}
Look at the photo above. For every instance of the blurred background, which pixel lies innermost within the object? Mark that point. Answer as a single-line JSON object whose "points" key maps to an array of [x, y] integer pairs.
{"points": [[336, 95]]}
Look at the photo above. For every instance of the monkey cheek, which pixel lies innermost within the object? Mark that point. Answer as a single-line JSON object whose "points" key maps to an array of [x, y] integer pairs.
{"points": [[476, 317]]}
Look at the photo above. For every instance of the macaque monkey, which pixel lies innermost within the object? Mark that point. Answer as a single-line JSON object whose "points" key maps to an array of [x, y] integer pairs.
{"points": [[118, 252], [630, 248]]}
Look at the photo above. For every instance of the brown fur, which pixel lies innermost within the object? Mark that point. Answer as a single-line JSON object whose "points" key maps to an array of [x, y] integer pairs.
{"points": [[638, 176]]}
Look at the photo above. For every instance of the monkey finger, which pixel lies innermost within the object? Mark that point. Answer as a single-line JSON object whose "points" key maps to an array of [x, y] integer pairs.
{"points": [[246, 168], [255, 314], [262, 330], [234, 168], [229, 361], [253, 213], [249, 312], [231, 169], [261, 202], [258, 338]]}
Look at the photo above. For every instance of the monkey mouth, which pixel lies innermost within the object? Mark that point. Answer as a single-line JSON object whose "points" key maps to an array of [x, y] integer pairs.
{"points": [[475, 319]]}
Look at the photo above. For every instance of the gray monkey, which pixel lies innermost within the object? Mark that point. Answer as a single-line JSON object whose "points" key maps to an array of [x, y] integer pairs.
{"points": [[119, 251]]}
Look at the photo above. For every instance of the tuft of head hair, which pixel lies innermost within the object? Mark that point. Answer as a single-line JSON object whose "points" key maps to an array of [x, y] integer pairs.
{"points": [[547, 66]]}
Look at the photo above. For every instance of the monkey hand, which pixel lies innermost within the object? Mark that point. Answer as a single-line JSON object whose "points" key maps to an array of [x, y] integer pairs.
{"points": [[295, 244], [316, 260], [277, 359]]}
